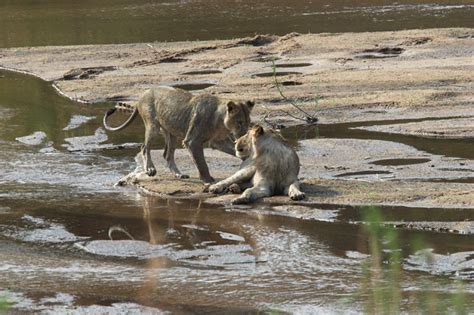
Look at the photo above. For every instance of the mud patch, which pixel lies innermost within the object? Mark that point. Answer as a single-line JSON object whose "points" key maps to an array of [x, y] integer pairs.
{"points": [[192, 85], [173, 60], [176, 56], [118, 98], [465, 36], [277, 73], [416, 41], [443, 95], [398, 162], [265, 58], [259, 40], [377, 53], [290, 83], [86, 73], [203, 72], [293, 65], [465, 180], [362, 174]]}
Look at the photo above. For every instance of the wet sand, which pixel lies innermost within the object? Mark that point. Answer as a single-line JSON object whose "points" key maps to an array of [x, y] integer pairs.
{"points": [[328, 177], [340, 78]]}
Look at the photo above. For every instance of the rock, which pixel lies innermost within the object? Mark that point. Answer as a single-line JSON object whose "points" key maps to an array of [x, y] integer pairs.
{"points": [[37, 138]]}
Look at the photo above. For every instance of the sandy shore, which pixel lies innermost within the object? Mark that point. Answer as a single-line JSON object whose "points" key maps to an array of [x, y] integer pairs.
{"points": [[329, 177], [338, 77], [350, 77]]}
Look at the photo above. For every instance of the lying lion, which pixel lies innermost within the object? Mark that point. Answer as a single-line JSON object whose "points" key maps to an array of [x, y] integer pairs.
{"points": [[271, 167], [198, 119]]}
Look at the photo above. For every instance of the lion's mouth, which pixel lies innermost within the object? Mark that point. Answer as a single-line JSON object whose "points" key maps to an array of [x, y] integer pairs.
{"points": [[240, 155]]}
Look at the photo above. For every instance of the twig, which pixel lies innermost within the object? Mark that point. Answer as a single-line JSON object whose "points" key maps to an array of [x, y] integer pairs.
{"points": [[311, 119]]}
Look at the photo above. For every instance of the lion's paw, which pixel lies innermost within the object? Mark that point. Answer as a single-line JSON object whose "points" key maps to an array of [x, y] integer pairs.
{"points": [[240, 201], [297, 196], [181, 176], [216, 189], [234, 189]]}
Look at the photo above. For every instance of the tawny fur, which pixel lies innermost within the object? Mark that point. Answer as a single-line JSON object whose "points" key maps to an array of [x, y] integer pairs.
{"points": [[196, 119], [271, 168]]}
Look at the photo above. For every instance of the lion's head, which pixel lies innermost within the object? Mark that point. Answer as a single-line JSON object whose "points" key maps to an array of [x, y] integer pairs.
{"points": [[243, 146], [255, 137], [237, 118]]}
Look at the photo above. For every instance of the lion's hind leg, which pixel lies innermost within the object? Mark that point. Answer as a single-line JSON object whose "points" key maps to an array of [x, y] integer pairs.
{"points": [[146, 109], [294, 191], [168, 154], [151, 131]]}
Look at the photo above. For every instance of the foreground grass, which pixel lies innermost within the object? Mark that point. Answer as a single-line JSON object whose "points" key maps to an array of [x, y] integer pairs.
{"points": [[4, 304], [381, 288]]}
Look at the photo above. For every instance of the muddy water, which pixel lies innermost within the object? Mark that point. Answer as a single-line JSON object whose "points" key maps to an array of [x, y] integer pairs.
{"points": [[69, 240], [52, 22]]}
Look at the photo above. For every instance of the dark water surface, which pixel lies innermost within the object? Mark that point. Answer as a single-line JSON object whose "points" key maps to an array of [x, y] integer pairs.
{"points": [[69, 239], [67, 22]]}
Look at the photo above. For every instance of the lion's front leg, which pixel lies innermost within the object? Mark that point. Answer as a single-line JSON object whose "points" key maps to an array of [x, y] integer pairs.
{"points": [[197, 153], [259, 191], [239, 188], [242, 175]]}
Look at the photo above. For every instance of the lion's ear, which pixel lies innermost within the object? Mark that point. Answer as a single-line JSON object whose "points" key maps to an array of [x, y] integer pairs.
{"points": [[258, 130], [231, 106], [250, 104]]}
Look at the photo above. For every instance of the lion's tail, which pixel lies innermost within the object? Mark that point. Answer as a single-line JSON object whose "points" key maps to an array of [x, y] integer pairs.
{"points": [[121, 107]]}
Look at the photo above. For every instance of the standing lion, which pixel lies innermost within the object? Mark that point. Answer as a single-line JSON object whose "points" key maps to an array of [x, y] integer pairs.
{"points": [[197, 119]]}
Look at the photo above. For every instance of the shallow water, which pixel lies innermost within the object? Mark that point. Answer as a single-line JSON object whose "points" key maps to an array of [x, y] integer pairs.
{"points": [[69, 22], [183, 255], [69, 239], [447, 147]]}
